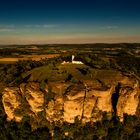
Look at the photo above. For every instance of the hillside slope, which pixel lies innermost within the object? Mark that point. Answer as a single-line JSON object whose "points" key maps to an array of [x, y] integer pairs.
{"points": [[69, 92]]}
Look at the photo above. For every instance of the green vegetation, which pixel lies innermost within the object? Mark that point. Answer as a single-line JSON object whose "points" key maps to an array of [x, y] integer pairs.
{"points": [[103, 62], [103, 130]]}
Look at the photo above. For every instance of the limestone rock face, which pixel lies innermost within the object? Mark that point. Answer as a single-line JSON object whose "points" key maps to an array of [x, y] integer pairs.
{"points": [[54, 110], [128, 99], [11, 101], [26, 99], [34, 96], [65, 102], [88, 105]]}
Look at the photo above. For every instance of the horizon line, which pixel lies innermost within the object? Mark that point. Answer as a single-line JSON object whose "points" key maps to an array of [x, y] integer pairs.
{"points": [[71, 43]]}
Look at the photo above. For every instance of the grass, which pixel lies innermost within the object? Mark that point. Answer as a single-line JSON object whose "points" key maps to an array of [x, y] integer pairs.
{"points": [[108, 76], [73, 70], [61, 72], [46, 73], [58, 73]]}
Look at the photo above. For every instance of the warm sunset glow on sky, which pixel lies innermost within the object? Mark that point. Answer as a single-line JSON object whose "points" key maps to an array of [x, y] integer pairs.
{"points": [[69, 21]]}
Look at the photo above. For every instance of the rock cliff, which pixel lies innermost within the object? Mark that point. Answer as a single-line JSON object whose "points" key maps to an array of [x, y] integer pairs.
{"points": [[61, 101]]}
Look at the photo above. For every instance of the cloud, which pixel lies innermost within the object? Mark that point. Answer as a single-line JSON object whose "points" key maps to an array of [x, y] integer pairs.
{"points": [[7, 26], [6, 30], [41, 26], [110, 27], [50, 25], [62, 39]]}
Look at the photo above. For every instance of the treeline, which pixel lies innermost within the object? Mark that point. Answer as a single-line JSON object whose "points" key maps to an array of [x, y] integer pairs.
{"points": [[12, 73], [95, 45], [9, 52], [102, 130], [122, 61]]}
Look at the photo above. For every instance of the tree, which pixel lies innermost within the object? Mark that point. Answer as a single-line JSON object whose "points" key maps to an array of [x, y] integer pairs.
{"points": [[41, 133]]}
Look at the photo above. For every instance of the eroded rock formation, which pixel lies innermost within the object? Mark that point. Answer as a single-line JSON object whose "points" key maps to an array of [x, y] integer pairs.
{"points": [[12, 102], [86, 100], [128, 99]]}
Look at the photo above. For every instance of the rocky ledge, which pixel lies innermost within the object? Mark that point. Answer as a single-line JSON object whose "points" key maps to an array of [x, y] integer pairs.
{"points": [[61, 101]]}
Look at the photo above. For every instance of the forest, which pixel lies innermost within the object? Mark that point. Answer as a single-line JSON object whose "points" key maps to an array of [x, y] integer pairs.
{"points": [[99, 56]]}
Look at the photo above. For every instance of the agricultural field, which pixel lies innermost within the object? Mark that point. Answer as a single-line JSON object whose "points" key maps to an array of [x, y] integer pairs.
{"points": [[27, 57], [103, 66]]}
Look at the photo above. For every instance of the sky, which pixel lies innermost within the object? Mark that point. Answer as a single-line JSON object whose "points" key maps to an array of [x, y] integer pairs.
{"points": [[69, 21]]}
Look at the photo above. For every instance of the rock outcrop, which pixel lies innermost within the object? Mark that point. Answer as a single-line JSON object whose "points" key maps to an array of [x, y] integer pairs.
{"points": [[88, 104], [128, 99], [34, 96], [12, 101], [84, 100]]}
